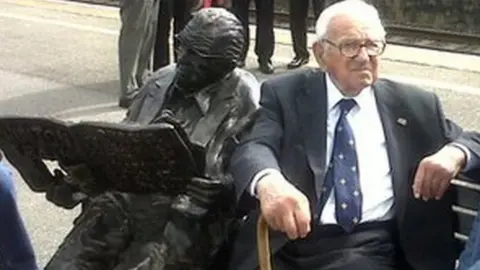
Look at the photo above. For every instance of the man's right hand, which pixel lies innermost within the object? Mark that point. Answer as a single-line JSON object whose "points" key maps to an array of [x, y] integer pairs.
{"points": [[283, 206]]}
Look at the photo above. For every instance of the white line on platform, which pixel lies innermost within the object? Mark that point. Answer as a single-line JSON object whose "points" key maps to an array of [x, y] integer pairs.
{"points": [[85, 5], [60, 23], [435, 84], [404, 79], [87, 109]]}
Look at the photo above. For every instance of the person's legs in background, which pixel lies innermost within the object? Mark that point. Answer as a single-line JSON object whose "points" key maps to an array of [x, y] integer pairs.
{"points": [[298, 29], [298, 32], [16, 251], [240, 9], [135, 45], [265, 37], [162, 40], [182, 12]]}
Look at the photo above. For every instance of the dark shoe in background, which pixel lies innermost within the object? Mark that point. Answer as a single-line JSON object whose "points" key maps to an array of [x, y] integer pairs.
{"points": [[266, 66], [297, 62]]}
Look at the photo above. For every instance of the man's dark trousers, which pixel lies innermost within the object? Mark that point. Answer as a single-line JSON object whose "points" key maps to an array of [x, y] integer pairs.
{"points": [[179, 11], [265, 39], [298, 23]]}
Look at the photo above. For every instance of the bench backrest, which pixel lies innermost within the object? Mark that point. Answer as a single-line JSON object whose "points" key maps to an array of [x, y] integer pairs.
{"points": [[465, 208]]}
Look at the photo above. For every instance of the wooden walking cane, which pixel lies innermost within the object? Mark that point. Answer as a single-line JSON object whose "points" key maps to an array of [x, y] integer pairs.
{"points": [[263, 244]]}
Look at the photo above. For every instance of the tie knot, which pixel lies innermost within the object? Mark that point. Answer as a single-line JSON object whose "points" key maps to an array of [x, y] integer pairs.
{"points": [[346, 104]]}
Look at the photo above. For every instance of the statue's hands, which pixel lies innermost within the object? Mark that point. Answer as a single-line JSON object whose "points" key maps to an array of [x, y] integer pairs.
{"points": [[205, 192], [79, 175], [71, 188], [63, 194]]}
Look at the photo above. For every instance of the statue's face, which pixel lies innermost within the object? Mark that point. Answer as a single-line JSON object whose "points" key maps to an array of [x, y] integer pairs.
{"points": [[195, 72]]}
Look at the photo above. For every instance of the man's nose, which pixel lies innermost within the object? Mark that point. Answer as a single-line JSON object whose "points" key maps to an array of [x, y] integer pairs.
{"points": [[363, 54]]}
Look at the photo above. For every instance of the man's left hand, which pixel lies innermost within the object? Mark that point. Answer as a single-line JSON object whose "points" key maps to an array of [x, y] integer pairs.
{"points": [[435, 172]]}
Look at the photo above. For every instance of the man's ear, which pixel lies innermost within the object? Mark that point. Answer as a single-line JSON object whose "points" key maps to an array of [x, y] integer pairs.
{"points": [[319, 53]]}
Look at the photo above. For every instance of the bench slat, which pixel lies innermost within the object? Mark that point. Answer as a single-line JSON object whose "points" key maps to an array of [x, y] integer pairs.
{"points": [[466, 184], [462, 237], [463, 210]]}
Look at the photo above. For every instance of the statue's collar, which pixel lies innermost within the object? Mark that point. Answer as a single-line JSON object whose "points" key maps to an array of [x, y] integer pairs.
{"points": [[212, 93]]}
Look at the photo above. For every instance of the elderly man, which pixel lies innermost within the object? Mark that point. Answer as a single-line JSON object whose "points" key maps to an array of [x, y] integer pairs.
{"points": [[350, 171]]}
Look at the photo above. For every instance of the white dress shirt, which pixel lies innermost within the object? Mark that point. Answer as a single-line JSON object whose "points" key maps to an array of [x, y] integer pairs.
{"points": [[374, 167]]}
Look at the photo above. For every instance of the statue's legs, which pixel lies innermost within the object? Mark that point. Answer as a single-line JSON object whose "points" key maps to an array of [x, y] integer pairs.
{"points": [[148, 216], [99, 235]]}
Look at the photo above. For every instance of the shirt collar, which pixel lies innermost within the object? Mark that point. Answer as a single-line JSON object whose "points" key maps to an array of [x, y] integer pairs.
{"points": [[203, 99], [334, 95]]}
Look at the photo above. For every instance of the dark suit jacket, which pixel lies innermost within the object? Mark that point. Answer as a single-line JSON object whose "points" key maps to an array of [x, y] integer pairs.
{"points": [[290, 135]]}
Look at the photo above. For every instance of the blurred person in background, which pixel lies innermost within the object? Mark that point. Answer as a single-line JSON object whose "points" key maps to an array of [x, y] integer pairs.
{"points": [[265, 38], [135, 45], [298, 29], [180, 11], [16, 251], [217, 3]]}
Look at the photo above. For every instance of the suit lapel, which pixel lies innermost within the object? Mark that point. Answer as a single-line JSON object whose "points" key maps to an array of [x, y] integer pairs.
{"points": [[312, 116], [395, 125]]}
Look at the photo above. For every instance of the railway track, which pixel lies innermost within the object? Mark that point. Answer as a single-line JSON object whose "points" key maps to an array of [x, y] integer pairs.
{"points": [[424, 38]]}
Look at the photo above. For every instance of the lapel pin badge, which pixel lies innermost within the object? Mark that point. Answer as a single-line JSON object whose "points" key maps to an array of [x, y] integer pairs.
{"points": [[402, 121]]}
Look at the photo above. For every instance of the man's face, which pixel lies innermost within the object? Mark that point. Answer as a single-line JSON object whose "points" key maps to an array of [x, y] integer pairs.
{"points": [[351, 54]]}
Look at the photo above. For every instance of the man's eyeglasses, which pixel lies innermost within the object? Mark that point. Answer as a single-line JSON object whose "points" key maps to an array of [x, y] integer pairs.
{"points": [[351, 49]]}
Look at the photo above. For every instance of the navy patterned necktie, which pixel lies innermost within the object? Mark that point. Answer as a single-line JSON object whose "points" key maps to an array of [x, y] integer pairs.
{"points": [[342, 174]]}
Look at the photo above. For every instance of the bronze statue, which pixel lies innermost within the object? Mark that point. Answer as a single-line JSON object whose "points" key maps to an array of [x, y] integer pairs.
{"points": [[213, 101]]}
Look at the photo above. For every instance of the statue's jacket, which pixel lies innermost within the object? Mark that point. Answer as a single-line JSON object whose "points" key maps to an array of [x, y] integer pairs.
{"points": [[232, 106]]}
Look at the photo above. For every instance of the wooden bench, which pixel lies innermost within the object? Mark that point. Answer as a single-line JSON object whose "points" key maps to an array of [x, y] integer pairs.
{"points": [[467, 192]]}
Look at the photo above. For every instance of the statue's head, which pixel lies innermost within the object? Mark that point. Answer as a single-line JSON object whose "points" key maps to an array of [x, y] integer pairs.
{"points": [[210, 46]]}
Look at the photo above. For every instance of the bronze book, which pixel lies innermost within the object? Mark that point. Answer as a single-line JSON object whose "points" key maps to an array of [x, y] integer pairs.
{"points": [[124, 157]]}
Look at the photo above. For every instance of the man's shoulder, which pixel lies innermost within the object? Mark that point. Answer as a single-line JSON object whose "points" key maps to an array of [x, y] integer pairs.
{"points": [[290, 83], [296, 77], [417, 101], [404, 89]]}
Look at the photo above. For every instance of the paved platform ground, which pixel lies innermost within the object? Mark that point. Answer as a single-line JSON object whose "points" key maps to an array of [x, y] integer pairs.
{"points": [[59, 58]]}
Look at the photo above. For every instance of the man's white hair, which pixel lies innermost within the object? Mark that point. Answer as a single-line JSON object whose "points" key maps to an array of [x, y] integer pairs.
{"points": [[356, 9]]}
